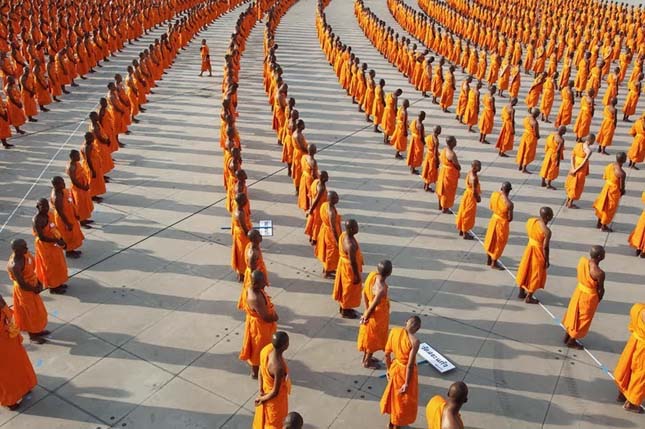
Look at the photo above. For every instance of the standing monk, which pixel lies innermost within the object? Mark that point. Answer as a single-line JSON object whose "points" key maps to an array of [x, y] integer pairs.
{"points": [[83, 204], [608, 126], [448, 90], [507, 133], [260, 324], [585, 298], [443, 413], [468, 207], [498, 227], [637, 237], [241, 227], [347, 285], [206, 59], [375, 321], [606, 204], [66, 218], [630, 369], [51, 267], [254, 261], [566, 107], [488, 115], [636, 151], [553, 154], [14, 105], [317, 196], [528, 142], [400, 134], [414, 158], [448, 176], [430, 168], [579, 171], [30, 314], [17, 376], [327, 241], [401, 394], [531, 274], [583, 123], [272, 403]]}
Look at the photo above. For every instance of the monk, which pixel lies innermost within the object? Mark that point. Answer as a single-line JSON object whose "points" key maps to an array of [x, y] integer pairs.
{"points": [[565, 112], [471, 113], [585, 298], [636, 151], [583, 123], [293, 421], [17, 376], [14, 105], [5, 122], [28, 93], [448, 90], [254, 261], [442, 413], [388, 123], [326, 249], [507, 133], [317, 196], [553, 154], [272, 403], [535, 91], [378, 106], [399, 138], [579, 170], [83, 204], [347, 284], [430, 168], [462, 101], [488, 115], [51, 267], [414, 158], [630, 369], [448, 176], [66, 218], [606, 204], [206, 59], [261, 322], [528, 142], [309, 173], [548, 96], [241, 227], [92, 164], [498, 227], [30, 314], [375, 321], [637, 237], [467, 213], [607, 126], [531, 274], [631, 101], [401, 394]]}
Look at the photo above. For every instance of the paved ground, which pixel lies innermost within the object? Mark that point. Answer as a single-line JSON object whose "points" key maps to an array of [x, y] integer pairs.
{"points": [[148, 336]]}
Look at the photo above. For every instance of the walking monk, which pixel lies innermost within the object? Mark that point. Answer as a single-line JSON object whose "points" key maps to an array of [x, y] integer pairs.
{"points": [[430, 167], [260, 324], [630, 369], [531, 274], [498, 226], [206, 59], [414, 158], [17, 376], [401, 394], [637, 237], [553, 154], [51, 267], [606, 204], [272, 403], [66, 218], [608, 126], [30, 314], [375, 322], [585, 298], [579, 171], [528, 142], [443, 413], [507, 133], [347, 285], [241, 225], [326, 249], [448, 176], [468, 206]]}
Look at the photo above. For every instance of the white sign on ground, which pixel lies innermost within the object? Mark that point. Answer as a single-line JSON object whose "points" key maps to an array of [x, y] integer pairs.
{"points": [[265, 227], [435, 358]]}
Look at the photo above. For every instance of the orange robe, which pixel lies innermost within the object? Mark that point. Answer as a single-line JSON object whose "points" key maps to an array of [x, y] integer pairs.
{"points": [[51, 266], [498, 227], [629, 108], [271, 414], [240, 240], [583, 123], [583, 303], [74, 238], [388, 122], [447, 92], [630, 369], [17, 376], [531, 274], [551, 164], [30, 313], [378, 108], [566, 109], [206, 58], [346, 292], [400, 134], [547, 97], [488, 115], [312, 227], [471, 113], [5, 131], [528, 144], [326, 245], [429, 171], [16, 114], [246, 285], [306, 179], [534, 94], [434, 412], [97, 183], [415, 153], [506, 135], [636, 151], [467, 213], [447, 181], [606, 204], [83, 204], [372, 336], [575, 184], [637, 237], [257, 332], [607, 128], [402, 408]]}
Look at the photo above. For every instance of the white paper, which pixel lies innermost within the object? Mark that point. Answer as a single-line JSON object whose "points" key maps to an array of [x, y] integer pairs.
{"points": [[434, 358]]}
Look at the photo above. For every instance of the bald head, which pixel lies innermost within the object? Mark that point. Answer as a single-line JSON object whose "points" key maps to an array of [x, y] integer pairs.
{"points": [[293, 421], [546, 213], [257, 279], [413, 324], [458, 392], [351, 227], [597, 253], [562, 130], [280, 341], [384, 268]]}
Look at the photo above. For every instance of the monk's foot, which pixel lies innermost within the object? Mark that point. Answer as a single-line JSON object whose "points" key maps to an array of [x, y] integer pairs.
{"points": [[503, 155], [142, 109], [58, 291], [521, 294], [73, 254], [637, 409], [573, 206], [30, 119], [135, 120], [621, 397], [530, 300], [372, 364], [329, 274], [485, 141], [468, 236], [566, 338], [633, 167], [83, 77], [37, 340], [56, 100], [376, 130], [446, 111], [543, 184], [642, 255], [74, 84], [65, 91], [461, 233], [489, 260], [497, 266], [414, 171], [574, 344], [445, 211], [398, 156], [349, 314], [605, 228], [128, 132], [551, 187], [525, 171], [44, 109], [7, 145], [638, 252], [240, 277], [107, 179], [13, 407], [97, 199], [19, 131]]}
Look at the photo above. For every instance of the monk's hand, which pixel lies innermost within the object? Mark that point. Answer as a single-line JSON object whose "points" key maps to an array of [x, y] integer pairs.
{"points": [[356, 278], [363, 320], [68, 226], [258, 401], [547, 264], [403, 389]]}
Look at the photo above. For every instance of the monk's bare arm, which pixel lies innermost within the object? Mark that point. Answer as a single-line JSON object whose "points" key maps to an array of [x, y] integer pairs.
{"points": [[409, 369], [278, 377], [16, 269], [377, 299], [511, 208], [316, 200], [58, 204], [259, 304], [352, 251], [241, 217], [547, 240]]}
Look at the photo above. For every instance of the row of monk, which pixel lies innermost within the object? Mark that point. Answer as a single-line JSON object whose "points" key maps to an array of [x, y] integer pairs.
{"points": [[57, 231]]}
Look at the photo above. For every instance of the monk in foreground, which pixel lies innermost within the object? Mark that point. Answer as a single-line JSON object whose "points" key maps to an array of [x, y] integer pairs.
{"points": [[443, 413], [347, 284], [606, 204], [375, 322], [498, 227], [468, 207], [293, 421], [51, 266], [272, 403], [531, 274], [401, 394], [17, 376], [630, 369], [585, 298]]}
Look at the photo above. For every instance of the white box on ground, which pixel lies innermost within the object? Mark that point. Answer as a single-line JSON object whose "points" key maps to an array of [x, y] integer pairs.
{"points": [[265, 227], [435, 358]]}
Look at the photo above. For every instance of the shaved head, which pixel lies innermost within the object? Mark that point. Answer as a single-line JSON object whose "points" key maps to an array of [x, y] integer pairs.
{"points": [[458, 392], [293, 421]]}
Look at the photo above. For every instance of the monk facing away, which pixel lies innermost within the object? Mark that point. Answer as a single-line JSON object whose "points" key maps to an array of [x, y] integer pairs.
{"points": [[585, 298], [66, 218], [272, 403], [575, 183], [375, 321], [17, 376], [531, 274], [467, 213], [606, 204], [637, 237], [498, 227], [448, 175], [630, 369], [401, 394], [51, 266], [254, 261], [241, 227], [347, 284], [443, 413], [326, 249], [553, 154], [293, 421]]}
